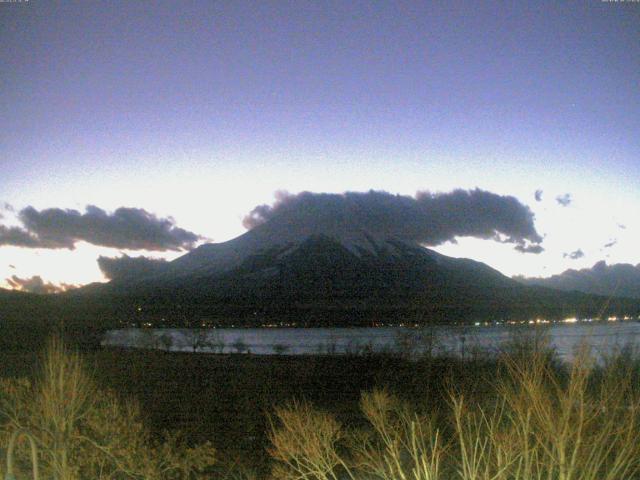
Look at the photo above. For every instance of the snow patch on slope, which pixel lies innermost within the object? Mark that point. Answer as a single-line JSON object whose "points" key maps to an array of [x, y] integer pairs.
{"points": [[221, 257]]}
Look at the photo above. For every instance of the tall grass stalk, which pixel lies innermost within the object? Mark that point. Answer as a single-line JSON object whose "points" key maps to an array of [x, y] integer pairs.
{"points": [[400, 443]]}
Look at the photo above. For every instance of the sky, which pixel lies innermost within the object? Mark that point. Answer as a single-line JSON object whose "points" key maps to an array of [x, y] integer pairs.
{"points": [[147, 128]]}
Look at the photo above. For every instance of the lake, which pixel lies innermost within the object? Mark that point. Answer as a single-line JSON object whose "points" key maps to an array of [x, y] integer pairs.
{"points": [[602, 336]]}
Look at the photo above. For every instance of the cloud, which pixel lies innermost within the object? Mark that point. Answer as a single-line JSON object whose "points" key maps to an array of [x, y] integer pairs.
{"points": [[19, 237], [125, 228], [427, 218], [529, 248], [621, 279], [574, 255], [35, 284], [7, 207], [564, 200], [538, 195], [125, 267], [611, 243]]}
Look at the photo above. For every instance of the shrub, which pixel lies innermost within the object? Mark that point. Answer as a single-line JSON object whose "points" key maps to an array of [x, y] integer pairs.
{"points": [[305, 443]]}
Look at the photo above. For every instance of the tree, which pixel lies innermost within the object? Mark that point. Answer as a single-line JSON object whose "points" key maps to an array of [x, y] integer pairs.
{"points": [[197, 338], [280, 348], [147, 338], [239, 345], [166, 340]]}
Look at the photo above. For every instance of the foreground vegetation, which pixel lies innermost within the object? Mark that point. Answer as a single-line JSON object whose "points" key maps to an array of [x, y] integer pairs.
{"points": [[82, 432], [522, 416], [537, 426]]}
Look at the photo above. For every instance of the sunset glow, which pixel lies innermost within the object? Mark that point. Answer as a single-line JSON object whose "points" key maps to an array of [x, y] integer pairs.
{"points": [[167, 108]]}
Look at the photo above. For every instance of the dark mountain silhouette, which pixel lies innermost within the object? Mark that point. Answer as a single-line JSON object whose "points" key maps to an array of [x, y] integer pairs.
{"points": [[327, 272], [618, 280]]}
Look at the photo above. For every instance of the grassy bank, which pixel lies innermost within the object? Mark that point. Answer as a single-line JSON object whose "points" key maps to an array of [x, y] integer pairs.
{"points": [[226, 398], [258, 411]]}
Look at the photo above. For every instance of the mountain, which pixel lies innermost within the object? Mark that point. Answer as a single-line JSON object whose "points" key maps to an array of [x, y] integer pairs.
{"points": [[618, 280], [4, 293], [330, 271], [327, 259]]}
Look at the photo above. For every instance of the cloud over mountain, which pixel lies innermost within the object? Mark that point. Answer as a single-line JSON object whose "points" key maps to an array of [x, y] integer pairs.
{"points": [[127, 268], [428, 218], [621, 279], [125, 228]]}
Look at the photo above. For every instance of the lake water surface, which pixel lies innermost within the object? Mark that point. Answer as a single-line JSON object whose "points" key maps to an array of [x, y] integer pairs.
{"points": [[603, 337]]}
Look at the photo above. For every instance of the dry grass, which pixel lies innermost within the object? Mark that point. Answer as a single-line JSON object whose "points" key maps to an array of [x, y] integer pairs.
{"points": [[83, 432], [542, 423], [306, 444], [537, 421], [400, 443]]}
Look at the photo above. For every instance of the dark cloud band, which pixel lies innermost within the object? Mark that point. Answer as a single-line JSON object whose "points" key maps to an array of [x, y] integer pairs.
{"points": [[126, 228], [427, 218], [19, 237]]}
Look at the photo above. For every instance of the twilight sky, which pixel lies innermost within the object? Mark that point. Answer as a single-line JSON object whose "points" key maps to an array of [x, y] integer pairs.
{"points": [[173, 120]]}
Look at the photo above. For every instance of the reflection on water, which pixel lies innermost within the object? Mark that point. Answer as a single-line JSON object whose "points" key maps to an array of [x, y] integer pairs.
{"points": [[603, 337]]}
